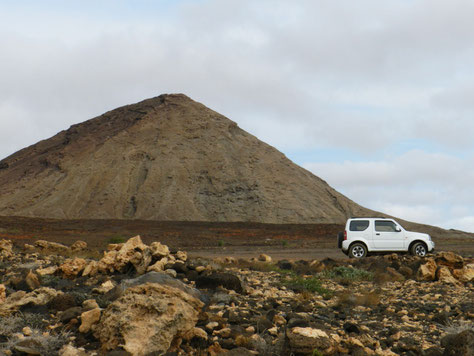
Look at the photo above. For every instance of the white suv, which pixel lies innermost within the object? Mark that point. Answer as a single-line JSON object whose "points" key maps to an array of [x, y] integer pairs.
{"points": [[365, 235]]}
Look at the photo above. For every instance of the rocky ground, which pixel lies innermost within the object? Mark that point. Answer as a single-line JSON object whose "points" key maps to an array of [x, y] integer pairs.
{"points": [[143, 299]]}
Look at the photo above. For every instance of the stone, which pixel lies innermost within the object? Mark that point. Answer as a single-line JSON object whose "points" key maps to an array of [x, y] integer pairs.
{"points": [[406, 271], [40, 296], [182, 256], [32, 280], [50, 246], [148, 318], [158, 266], [79, 245], [444, 275], [449, 259], [264, 258], [305, 340], [27, 331], [465, 274], [29, 345], [159, 250], [3, 293], [88, 319], [47, 271], [214, 280], [105, 287], [91, 269], [90, 304], [6, 249], [427, 271], [133, 252], [70, 350], [72, 267]]}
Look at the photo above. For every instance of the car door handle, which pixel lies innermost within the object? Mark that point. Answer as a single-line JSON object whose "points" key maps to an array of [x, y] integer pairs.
{"points": [[377, 233]]}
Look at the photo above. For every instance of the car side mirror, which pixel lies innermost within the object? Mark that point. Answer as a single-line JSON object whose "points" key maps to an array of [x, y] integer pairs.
{"points": [[397, 229]]}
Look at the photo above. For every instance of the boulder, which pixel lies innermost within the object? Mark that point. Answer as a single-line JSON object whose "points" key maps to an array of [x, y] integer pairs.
{"points": [[444, 275], [91, 269], [158, 266], [73, 266], [158, 250], [450, 259], [427, 271], [3, 294], [47, 270], [182, 256], [32, 280], [133, 252], [214, 280], [50, 246], [465, 274], [89, 319], [70, 350], [15, 301], [306, 340], [147, 319], [264, 258], [6, 249], [78, 245]]}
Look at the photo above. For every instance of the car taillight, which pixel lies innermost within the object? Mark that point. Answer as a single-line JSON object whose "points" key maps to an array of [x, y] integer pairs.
{"points": [[345, 234]]}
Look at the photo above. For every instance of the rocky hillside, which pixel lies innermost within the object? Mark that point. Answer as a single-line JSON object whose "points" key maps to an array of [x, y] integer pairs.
{"points": [[165, 158], [139, 299]]}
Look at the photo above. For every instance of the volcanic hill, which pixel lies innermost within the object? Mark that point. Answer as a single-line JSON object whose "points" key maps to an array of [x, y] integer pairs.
{"points": [[165, 158]]}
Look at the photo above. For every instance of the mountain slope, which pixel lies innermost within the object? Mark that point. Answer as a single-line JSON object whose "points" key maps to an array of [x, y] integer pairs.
{"points": [[165, 158]]}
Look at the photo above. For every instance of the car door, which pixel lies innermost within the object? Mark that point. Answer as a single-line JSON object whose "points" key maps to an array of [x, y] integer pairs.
{"points": [[387, 236]]}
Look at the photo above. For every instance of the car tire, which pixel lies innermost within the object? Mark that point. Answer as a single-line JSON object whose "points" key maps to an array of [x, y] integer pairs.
{"points": [[357, 250], [419, 249]]}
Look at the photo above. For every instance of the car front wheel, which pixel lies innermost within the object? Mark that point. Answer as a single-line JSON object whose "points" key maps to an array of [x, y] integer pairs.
{"points": [[358, 250], [419, 249]]}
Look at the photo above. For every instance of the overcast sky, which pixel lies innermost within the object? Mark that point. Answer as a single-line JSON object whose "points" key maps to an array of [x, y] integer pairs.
{"points": [[375, 97]]}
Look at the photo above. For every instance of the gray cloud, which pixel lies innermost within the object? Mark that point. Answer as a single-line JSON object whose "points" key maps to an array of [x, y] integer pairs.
{"points": [[363, 76]]}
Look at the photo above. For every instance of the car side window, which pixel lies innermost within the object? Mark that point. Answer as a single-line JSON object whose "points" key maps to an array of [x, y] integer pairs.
{"points": [[359, 225], [385, 226]]}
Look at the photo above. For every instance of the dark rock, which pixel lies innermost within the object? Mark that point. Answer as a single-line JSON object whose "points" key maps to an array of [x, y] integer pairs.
{"points": [[62, 302], [406, 271], [69, 314], [239, 351], [262, 324], [220, 279], [461, 344], [179, 267], [285, 264], [294, 322], [441, 318], [351, 328]]}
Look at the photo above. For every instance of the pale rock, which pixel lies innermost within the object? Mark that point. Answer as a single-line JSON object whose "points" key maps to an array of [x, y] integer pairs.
{"points": [[69, 350], [3, 293], [27, 331], [32, 280], [148, 318], [427, 271], [230, 260], [91, 269], [90, 304], [212, 325], [264, 258], [15, 301], [273, 331], [196, 333], [450, 259], [114, 247], [79, 245], [72, 267], [444, 275], [182, 256], [133, 251], [158, 266], [199, 269], [465, 274], [224, 332], [250, 329], [279, 320], [105, 287], [88, 319], [305, 340], [47, 270], [51, 246], [159, 250], [6, 249]]}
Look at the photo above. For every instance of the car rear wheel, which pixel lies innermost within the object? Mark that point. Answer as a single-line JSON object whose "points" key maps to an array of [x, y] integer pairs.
{"points": [[358, 250], [419, 249]]}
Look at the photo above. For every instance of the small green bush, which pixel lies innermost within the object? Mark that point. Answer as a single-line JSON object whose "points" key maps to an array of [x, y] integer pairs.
{"points": [[347, 274], [221, 243], [117, 240], [309, 284]]}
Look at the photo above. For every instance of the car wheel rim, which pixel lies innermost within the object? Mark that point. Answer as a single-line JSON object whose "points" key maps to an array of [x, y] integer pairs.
{"points": [[358, 251], [420, 251]]}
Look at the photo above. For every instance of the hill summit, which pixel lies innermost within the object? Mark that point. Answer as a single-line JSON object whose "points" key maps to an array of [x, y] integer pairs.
{"points": [[165, 158]]}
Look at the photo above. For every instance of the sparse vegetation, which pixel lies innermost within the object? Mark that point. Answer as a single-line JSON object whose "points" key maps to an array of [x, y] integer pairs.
{"points": [[347, 275], [221, 243], [117, 240], [310, 284]]}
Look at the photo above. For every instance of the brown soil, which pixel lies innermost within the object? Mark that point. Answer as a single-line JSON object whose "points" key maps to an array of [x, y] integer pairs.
{"points": [[291, 241]]}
